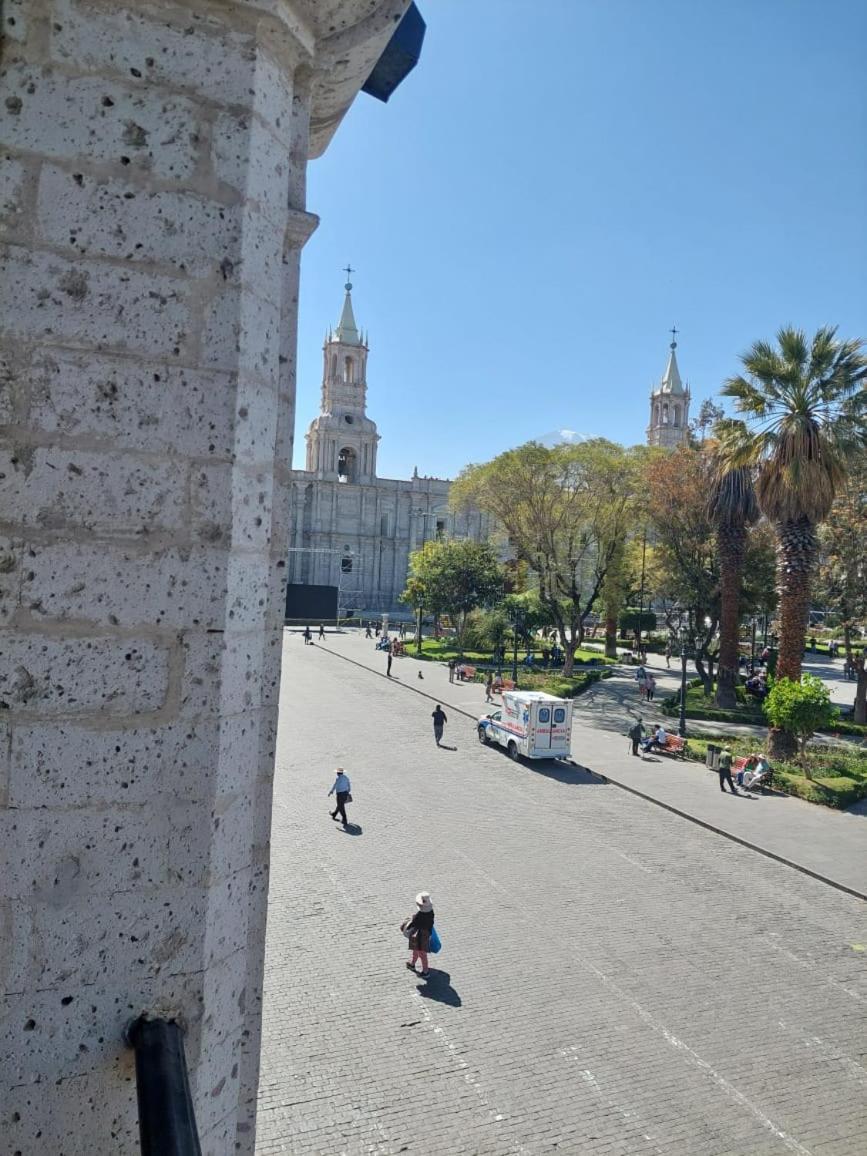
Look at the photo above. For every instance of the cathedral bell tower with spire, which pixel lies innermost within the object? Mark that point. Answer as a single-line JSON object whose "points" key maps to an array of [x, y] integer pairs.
{"points": [[342, 441], [669, 405]]}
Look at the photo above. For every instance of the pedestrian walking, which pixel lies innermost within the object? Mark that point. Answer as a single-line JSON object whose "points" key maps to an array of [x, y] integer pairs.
{"points": [[636, 734], [489, 688], [342, 788], [725, 771], [368, 633], [650, 687], [389, 657], [451, 670], [439, 721], [668, 655], [417, 928], [321, 631], [308, 637]]}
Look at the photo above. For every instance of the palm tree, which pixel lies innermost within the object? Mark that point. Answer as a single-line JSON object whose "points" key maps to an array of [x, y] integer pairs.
{"points": [[732, 508], [805, 406]]}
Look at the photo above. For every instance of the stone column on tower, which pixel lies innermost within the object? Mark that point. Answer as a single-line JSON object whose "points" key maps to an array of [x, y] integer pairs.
{"points": [[669, 405], [154, 214]]}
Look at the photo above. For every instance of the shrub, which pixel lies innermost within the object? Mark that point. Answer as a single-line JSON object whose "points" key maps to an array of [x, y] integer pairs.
{"points": [[800, 708]]}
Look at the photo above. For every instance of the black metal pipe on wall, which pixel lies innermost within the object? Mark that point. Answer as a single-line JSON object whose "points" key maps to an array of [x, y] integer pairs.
{"points": [[166, 1120]]}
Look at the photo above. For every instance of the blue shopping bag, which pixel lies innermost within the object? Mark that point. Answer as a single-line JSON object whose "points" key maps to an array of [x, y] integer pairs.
{"points": [[435, 942]]}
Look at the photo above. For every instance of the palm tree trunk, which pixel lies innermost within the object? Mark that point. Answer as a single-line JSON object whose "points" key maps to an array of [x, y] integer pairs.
{"points": [[731, 544], [796, 554]]}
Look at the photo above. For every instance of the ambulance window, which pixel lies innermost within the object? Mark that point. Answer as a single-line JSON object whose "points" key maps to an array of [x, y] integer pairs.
{"points": [[559, 714], [544, 714]]}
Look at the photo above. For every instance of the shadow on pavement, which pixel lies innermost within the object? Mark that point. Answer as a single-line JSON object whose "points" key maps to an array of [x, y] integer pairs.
{"points": [[351, 829], [564, 773], [438, 987], [445, 747]]}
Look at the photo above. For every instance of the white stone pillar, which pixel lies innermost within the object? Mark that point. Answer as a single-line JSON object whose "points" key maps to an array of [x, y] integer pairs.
{"points": [[153, 217]]}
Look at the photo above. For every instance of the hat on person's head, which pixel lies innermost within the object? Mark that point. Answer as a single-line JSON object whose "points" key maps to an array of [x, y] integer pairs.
{"points": [[423, 900]]}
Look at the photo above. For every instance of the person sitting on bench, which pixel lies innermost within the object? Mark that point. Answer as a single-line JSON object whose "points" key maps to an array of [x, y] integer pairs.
{"points": [[656, 741]]}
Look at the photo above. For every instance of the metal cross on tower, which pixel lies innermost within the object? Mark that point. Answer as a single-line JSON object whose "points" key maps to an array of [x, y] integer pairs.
{"points": [[348, 270], [673, 331]]}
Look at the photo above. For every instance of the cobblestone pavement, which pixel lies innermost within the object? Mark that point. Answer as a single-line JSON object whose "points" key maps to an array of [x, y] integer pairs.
{"points": [[827, 842], [613, 979]]}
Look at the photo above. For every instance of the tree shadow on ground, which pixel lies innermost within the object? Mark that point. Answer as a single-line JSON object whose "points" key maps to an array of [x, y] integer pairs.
{"points": [[438, 987]]}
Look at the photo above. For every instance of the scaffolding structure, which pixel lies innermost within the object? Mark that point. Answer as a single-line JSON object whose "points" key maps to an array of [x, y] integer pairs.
{"points": [[348, 597]]}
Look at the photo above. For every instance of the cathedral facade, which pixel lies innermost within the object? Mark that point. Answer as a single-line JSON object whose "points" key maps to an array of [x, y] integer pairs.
{"points": [[351, 528], [669, 405]]}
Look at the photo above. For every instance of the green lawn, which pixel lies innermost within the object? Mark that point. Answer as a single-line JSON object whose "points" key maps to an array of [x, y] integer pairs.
{"points": [[445, 648], [839, 773]]}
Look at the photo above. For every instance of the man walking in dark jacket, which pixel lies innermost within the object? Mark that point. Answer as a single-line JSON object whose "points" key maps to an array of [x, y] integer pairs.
{"points": [[341, 789], [439, 721]]}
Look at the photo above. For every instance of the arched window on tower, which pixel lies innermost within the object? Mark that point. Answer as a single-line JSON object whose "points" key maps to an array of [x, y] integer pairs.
{"points": [[333, 366], [676, 422], [347, 369], [665, 413], [347, 465], [656, 414]]}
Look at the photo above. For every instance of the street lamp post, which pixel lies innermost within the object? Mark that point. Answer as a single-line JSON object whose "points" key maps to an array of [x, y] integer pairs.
{"points": [[753, 648], [516, 625], [641, 594], [418, 631], [681, 726]]}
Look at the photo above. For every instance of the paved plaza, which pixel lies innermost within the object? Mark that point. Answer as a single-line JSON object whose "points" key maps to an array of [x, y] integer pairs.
{"points": [[614, 978]]}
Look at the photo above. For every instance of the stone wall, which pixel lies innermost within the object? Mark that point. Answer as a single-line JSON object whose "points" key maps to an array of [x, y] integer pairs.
{"points": [[153, 214]]}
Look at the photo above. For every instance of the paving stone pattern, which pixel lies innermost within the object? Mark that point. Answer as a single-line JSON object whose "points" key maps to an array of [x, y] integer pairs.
{"points": [[612, 980]]}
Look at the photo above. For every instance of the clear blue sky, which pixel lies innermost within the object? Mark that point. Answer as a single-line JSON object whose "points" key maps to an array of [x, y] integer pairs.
{"points": [[560, 181]]}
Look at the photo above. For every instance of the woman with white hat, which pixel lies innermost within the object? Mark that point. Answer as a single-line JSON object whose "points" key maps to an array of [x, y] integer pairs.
{"points": [[417, 928]]}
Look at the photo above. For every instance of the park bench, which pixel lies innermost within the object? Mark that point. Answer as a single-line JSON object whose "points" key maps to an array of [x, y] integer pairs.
{"points": [[501, 684], [674, 745], [465, 673]]}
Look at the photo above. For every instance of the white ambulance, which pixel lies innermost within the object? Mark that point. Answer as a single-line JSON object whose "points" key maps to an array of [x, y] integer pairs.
{"points": [[530, 723]]}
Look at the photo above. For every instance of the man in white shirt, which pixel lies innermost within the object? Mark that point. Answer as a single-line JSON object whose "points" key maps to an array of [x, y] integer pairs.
{"points": [[342, 788]]}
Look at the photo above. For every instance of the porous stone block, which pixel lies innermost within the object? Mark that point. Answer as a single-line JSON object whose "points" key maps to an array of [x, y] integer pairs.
{"points": [[241, 330], [54, 489], [53, 675], [156, 407], [13, 20], [232, 502], [136, 933], [221, 672], [247, 158], [69, 764], [140, 129], [13, 206], [79, 1028], [87, 303], [107, 217], [16, 939], [183, 587], [182, 50], [82, 853]]}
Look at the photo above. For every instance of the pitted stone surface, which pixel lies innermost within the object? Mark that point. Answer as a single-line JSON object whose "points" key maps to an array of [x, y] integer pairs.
{"points": [[612, 979]]}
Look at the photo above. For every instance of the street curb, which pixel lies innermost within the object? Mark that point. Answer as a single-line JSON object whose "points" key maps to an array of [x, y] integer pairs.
{"points": [[632, 791]]}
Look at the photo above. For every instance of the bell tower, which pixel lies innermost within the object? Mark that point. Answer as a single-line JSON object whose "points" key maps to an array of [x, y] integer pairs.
{"points": [[342, 440], [669, 405]]}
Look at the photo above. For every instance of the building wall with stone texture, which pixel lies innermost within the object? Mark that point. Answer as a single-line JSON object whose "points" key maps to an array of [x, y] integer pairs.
{"points": [[153, 213], [371, 526]]}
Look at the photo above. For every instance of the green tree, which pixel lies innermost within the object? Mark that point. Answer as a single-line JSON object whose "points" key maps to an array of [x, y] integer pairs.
{"points": [[453, 577], [842, 578], [800, 708], [563, 509], [732, 508], [804, 408]]}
